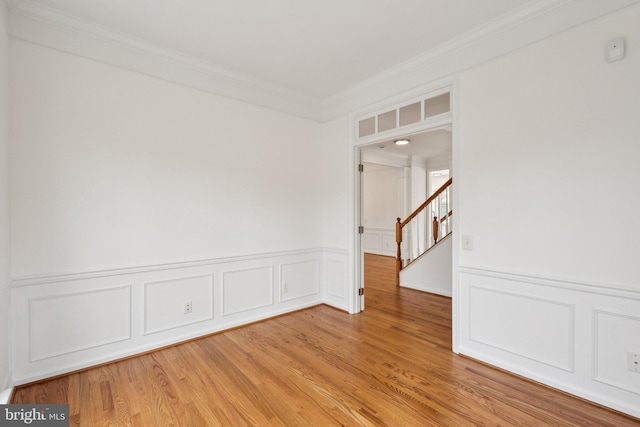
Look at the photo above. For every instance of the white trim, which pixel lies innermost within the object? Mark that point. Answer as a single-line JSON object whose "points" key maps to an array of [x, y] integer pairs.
{"points": [[65, 277], [5, 396], [528, 12], [554, 382], [66, 367], [318, 267], [596, 312], [41, 25], [421, 288], [269, 268], [533, 22], [574, 285], [571, 308], [26, 369], [423, 92], [112, 340], [454, 108], [147, 285]]}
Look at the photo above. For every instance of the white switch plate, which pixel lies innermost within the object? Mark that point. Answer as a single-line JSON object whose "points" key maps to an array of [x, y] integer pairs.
{"points": [[467, 243], [633, 362]]}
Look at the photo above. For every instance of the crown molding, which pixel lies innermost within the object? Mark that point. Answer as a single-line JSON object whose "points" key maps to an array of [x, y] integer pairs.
{"points": [[533, 22], [34, 23], [537, 20]]}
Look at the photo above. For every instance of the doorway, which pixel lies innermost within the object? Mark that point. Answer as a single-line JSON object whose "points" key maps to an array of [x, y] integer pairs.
{"points": [[431, 148], [395, 180]]}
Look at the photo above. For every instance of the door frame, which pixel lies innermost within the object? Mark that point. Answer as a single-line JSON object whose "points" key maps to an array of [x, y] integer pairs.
{"points": [[357, 144]]}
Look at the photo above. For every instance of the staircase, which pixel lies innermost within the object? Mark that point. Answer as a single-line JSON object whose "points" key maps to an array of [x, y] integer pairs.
{"points": [[424, 228]]}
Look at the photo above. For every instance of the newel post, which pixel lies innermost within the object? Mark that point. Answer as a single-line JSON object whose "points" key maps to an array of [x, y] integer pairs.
{"points": [[399, 253]]}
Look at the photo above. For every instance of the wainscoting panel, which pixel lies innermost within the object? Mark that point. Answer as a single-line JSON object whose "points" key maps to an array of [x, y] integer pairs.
{"points": [[616, 335], [62, 323], [78, 321], [294, 279], [371, 242], [244, 290], [569, 335], [165, 302], [380, 241], [335, 278], [514, 323], [336, 290]]}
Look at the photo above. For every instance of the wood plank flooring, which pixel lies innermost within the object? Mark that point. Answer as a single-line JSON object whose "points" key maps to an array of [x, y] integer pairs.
{"points": [[388, 366]]}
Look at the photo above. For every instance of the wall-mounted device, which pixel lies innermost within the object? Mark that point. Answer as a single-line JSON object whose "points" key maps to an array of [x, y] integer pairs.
{"points": [[615, 50]]}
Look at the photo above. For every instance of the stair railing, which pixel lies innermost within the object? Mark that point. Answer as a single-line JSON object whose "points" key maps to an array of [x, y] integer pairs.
{"points": [[419, 240]]}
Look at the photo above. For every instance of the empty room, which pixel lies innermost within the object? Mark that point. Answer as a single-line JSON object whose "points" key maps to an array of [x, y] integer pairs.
{"points": [[186, 199]]}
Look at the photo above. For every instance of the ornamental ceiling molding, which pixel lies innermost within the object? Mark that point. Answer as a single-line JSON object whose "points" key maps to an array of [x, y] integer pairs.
{"points": [[35, 23]]}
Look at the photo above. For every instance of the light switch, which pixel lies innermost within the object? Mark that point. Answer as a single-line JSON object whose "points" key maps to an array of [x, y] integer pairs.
{"points": [[467, 243]]}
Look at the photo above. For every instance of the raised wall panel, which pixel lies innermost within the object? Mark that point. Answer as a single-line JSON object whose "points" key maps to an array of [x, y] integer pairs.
{"points": [[247, 289], [73, 322], [379, 241], [300, 279], [501, 310], [371, 241], [616, 334], [165, 302], [389, 244], [335, 278], [538, 329], [67, 322]]}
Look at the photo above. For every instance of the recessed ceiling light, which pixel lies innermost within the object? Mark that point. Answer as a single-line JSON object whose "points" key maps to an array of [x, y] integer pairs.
{"points": [[401, 141]]}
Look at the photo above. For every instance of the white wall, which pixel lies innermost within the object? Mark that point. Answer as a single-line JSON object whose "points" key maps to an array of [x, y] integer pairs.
{"points": [[113, 168], [383, 195], [550, 289], [5, 282], [555, 116], [432, 272], [337, 213], [383, 189], [132, 195]]}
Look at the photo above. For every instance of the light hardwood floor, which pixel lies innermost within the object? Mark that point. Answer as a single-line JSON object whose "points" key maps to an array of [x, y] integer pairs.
{"points": [[388, 366]]}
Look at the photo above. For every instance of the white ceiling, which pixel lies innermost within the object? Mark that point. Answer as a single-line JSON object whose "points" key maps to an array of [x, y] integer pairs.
{"points": [[317, 48], [426, 145]]}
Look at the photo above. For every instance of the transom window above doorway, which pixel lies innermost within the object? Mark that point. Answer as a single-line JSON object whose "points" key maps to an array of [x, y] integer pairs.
{"points": [[408, 113]]}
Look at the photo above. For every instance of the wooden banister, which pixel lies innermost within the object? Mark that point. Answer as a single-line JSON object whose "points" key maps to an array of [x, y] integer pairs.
{"points": [[425, 204], [444, 218], [435, 225]]}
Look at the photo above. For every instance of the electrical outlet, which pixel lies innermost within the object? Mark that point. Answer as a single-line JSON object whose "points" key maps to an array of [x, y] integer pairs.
{"points": [[633, 362], [285, 287], [188, 307]]}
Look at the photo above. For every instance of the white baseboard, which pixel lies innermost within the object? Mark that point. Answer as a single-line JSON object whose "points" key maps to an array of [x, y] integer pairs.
{"points": [[419, 287], [5, 396], [109, 315], [569, 335]]}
